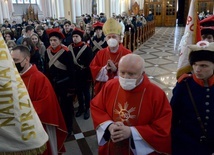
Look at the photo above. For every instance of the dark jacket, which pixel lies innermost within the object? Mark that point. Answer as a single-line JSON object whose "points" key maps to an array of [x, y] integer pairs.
{"points": [[186, 130], [68, 38], [82, 75]]}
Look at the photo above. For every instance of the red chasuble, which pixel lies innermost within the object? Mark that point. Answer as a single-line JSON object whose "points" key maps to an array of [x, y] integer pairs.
{"points": [[146, 108], [100, 60], [45, 103]]}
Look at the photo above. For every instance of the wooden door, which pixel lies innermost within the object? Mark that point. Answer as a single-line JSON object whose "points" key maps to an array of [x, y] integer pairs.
{"points": [[204, 5], [170, 12], [156, 8]]}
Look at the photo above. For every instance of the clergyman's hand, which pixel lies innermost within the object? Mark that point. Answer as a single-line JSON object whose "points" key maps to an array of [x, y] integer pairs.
{"points": [[119, 133], [111, 66]]}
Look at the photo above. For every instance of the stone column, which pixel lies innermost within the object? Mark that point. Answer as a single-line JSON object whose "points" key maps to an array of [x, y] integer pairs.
{"points": [[1, 12], [39, 4], [123, 6], [67, 9], [86, 6], [115, 7], [42, 5], [7, 10], [107, 10], [73, 9], [60, 9], [10, 7], [54, 11], [101, 6], [47, 12], [78, 8]]}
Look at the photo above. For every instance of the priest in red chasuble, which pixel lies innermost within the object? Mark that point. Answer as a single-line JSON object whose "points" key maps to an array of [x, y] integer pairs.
{"points": [[131, 115], [44, 100], [104, 65]]}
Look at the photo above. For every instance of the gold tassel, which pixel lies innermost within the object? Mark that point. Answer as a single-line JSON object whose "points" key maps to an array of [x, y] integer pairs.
{"points": [[35, 151]]}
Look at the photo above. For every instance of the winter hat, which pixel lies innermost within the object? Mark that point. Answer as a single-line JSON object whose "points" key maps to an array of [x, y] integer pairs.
{"points": [[78, 32], [55, 32], [202, 51]]}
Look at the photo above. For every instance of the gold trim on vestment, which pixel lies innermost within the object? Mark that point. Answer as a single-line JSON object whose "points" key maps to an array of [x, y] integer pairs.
{"points": [[35, 151]]}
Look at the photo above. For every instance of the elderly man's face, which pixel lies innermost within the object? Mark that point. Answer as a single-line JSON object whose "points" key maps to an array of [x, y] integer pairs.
{"points": [[112, 40], [203, 69], [130, 71], [114, 36]]}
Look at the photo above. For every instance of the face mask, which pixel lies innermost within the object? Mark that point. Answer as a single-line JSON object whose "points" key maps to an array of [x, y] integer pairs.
{"points": [[19, 67], [127, 84], [112, 42]]}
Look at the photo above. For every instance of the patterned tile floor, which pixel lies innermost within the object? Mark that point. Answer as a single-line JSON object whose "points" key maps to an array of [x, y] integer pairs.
{"points": [[161, 57]]}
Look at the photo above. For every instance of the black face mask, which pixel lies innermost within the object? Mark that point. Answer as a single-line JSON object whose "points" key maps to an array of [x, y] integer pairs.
{"points": [[19, 67]]}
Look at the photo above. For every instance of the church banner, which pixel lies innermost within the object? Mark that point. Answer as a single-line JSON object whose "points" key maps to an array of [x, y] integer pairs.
{"points": [[191, 36], [21, 132]]}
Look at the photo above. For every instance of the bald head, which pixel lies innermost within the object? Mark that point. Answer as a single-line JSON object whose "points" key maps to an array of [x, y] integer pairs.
{"points": [[132, 62]]}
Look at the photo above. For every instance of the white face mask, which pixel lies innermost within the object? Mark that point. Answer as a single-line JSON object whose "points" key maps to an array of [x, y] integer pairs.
{"points": [[112, 42], [127, 84]]}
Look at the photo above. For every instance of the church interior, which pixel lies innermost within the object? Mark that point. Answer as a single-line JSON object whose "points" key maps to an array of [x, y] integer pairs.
{"points": [[157, 42]]}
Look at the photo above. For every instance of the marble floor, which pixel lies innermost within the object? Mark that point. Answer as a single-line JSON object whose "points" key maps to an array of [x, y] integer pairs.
{"points": [[161, 57]]}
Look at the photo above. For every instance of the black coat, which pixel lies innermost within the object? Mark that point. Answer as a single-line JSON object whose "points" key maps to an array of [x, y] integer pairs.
{"points": [[186, 130], [82, 75], [62, 79]]}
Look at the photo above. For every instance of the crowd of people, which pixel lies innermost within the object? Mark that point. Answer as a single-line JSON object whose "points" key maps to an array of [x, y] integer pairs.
{"points": [[131, 115]]}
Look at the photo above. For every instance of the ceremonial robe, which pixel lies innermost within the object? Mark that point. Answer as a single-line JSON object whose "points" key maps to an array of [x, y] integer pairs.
{"points": [[100, 60], [145, 109], [46, 104]]}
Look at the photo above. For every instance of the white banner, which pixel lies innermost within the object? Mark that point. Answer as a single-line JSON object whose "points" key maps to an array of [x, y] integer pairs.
{"points": [[187, 39], [20, 127]]}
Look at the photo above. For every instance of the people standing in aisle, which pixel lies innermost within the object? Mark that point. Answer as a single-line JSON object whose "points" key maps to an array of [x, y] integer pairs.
{"points": [[26, 33], [98, 41], [131, 115], [60, 70], [67, 31], [82, 56], [38, 44], [43, 98], [104, 64], [193, 104], [36, 57], [88, 34], [43, 35]]}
